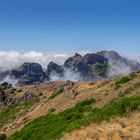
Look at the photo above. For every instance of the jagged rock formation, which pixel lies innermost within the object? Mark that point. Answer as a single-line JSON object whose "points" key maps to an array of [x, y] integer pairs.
{"points": [[29, 73], [8, 98], [90, 66], [53, 68]]}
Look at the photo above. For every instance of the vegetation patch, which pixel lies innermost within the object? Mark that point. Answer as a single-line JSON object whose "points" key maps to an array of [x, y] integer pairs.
{"points": [[56, 93], [51, 127], [124, 80], [2, 136], [10, 113], [132, 88], [51, 110], [19, 90]]}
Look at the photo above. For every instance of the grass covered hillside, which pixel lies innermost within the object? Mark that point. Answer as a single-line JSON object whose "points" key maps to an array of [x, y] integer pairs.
{"points": [[65, 110], [54, 126]]}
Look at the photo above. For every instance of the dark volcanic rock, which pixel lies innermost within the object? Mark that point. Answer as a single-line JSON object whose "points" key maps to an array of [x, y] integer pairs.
{"points": [[2, 96], [90, 66], [94, 58], [74, 61], [54, 68], [5, 85], [29, 73], [77, 64], [28, 96]]}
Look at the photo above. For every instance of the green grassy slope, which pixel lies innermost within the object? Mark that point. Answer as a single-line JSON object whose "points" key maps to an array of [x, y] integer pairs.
{"points": [[51, 127]]}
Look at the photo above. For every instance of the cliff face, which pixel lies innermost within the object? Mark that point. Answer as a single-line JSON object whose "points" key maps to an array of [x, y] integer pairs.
{"points": [[90, 66], [29, 73]]}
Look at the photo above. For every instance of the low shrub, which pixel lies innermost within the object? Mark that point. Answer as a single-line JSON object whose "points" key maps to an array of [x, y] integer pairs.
{"points": [[20, 90], [2, 136], [56, 93], [51, 110], [124, 80]]}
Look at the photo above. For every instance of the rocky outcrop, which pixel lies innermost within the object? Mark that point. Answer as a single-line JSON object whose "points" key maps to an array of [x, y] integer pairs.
{"points": [[29, 73], [2, 96], [5, 86], [8, 96], [94, 58], [27, 97], [90, 66], [53, 68], [77, 64]]}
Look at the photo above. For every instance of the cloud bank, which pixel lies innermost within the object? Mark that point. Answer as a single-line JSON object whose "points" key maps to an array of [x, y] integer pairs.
{"points": [[117, 68], [12, 59], [69, 74]]}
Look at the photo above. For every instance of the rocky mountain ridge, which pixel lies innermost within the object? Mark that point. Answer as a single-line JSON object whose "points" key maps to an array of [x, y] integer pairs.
{"points": [[91, 66]]}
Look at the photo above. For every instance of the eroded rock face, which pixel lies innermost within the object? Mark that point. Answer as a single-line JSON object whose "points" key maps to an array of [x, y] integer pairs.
{"points": [[27, 97], [2, 96], [29, 73], [8, 98], [3, 87], [94, 58], [54, 68], [90, 66]]}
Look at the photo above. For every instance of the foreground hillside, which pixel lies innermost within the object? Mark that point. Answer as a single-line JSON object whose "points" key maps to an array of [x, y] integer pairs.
{"points": [[106, 109]]}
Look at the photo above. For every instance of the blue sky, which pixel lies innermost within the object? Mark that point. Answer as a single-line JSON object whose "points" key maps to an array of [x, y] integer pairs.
{"points": [[70, 25]]}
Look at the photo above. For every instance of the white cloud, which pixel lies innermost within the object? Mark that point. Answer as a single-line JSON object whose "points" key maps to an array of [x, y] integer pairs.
{"points": [[12, 59], [117, 68], [133, 57], [10, 80], [69, 74]]}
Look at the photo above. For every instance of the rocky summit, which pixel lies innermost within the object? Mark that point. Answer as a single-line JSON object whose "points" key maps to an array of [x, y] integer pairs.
{"points": [[29, 73]]}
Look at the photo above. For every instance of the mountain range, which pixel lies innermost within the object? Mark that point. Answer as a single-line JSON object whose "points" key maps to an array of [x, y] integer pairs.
{"points": [[89, 67]]}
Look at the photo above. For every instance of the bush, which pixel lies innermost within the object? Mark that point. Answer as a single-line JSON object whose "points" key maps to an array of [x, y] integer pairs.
{"points": [[51, 110], [2, 136], [20, 90], [56, 93], [124, 80], [12, 90], [40, 94], [132, 88]]}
